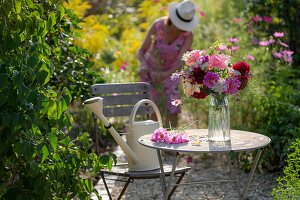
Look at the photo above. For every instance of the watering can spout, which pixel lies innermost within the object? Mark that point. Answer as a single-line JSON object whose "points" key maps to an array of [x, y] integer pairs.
{"points": [[95, 104]]}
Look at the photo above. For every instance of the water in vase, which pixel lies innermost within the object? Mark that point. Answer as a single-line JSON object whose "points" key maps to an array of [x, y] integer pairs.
{"points": [[219, 119]]}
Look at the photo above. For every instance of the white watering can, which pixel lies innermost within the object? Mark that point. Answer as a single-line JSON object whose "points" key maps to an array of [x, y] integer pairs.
{"points": [[140, 158]]}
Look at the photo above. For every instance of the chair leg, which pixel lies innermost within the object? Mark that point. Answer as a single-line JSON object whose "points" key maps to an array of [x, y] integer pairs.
{"points": [[124, 188], [107, 190], [174, 188]]}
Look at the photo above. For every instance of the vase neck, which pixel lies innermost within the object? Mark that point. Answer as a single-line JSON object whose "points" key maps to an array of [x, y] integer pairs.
{"points": [[218, 100]]}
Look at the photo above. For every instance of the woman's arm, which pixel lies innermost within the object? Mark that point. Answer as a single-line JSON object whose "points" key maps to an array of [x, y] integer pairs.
{"points": [[178, 63], [143, 49]]}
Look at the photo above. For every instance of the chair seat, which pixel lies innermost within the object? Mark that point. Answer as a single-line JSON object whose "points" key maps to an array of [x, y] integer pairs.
{"points": [[123, 170]]}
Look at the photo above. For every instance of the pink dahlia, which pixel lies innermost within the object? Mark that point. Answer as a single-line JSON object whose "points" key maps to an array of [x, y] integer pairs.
{"points": [[211, 79], [218, 61], [242, 67]]}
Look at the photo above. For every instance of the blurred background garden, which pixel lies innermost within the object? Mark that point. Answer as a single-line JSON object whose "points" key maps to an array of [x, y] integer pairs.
{"points": [[53, 51]]}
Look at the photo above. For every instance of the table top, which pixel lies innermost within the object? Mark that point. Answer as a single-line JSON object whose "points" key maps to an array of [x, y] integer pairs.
{"points": [[240, 141]]}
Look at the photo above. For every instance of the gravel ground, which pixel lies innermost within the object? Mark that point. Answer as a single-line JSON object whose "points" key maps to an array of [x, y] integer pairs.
{"points": [[203, 167]]}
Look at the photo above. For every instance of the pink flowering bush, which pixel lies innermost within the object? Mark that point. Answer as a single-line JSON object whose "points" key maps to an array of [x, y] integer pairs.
{"points": [[211, 72], [172, 137]]}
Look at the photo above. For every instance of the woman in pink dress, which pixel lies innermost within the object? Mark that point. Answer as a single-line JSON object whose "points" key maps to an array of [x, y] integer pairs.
{"points": [[160, 55]]}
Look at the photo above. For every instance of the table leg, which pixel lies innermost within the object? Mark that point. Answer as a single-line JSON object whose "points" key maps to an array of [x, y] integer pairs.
{"points": [[233, 175], [259, 151], [172, 173], [162, 175]]}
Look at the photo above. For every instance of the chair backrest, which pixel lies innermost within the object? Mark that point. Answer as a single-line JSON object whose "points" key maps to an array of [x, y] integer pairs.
{"points": [[120, 98]]}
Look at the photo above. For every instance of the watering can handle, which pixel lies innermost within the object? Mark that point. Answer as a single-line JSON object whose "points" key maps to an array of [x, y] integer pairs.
{"points": [[137, 105]]}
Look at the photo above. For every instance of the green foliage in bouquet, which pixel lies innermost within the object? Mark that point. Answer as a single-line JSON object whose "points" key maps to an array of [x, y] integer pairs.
{"points": [[289, 183], [41, 70]]}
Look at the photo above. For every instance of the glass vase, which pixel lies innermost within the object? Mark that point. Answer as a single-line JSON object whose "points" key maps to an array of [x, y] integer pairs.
{"points": [[219, 118]]}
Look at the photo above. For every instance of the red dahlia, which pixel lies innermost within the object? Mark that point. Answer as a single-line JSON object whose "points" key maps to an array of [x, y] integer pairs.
{"points": [[199, 95], [198, 75], [242, 67]]}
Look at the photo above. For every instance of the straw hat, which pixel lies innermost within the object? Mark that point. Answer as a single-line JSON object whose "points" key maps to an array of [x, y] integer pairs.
{"points": [[183, 15]]}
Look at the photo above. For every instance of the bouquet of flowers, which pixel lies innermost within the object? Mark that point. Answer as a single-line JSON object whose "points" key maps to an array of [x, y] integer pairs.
{"points": [[210, 71]]}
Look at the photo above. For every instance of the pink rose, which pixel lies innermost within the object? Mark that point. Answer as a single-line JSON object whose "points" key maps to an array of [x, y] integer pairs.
{"points": [[218, 61]]}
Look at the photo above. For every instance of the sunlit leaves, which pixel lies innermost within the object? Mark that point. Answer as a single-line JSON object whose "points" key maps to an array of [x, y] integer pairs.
{"points": [[61, 12], [39, 63]]}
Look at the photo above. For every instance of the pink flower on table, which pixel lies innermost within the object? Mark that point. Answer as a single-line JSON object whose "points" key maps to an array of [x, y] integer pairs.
{"points": [[250, 57], [235, 48], [124, 65], [218, 61], [277, 54], [235, 20], [268, 19], [278, 34], [211, 79], [263, 43], [232, 85], [183, 137], [202, 13], [287, 55], [234, 40], [159, 134], [283, 44], [163, 8], [172, 138]]}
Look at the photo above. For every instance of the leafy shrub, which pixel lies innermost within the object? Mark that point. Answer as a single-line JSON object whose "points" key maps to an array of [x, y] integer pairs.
{"points": [[289, 183], [37, 159]]}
